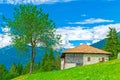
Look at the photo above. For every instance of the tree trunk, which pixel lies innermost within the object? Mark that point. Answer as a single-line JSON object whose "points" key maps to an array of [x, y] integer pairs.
{"points": [[32, 60]]}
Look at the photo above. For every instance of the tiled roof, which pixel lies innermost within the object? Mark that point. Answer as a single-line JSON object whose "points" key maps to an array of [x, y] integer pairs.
{"points": [[86, 49]]}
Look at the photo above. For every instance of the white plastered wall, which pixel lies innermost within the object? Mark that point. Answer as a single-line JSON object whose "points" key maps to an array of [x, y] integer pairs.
{"points": [[69, 65], [62, 63], [94, 58]]}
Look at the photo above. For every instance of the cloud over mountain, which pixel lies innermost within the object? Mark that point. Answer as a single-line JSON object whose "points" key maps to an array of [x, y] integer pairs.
{"points": [[69, 33], [95, 33]]}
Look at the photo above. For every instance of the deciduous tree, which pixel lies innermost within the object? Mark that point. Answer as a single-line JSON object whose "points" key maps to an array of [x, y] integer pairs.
{"points": [[32, 26]]}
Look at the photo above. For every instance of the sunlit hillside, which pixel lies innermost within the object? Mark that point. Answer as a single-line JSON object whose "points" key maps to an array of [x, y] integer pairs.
{"points": [[101, 71]]}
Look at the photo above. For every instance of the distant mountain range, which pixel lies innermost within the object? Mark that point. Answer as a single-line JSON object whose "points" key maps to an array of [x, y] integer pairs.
{"points": [[9, 54], [101, 43]]}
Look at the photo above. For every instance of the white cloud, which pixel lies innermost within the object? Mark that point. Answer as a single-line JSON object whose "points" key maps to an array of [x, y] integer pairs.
{"points": [[95, 34], [68, 33], [5, 40], [88, 43], [101, 31], [33, 1], [64, 38], [6, 29], [74, 33], [95, 41], [81, 43], [92, 21], [85, 43]]}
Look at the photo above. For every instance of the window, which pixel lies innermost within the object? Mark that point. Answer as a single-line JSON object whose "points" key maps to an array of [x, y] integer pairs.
{"points": [[103, 59], [88, 59]]}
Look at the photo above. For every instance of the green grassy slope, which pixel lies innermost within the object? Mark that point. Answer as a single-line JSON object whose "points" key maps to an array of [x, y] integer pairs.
{"points": [[101, 71]]}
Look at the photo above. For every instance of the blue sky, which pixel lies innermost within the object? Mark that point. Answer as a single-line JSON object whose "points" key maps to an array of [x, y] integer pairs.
{"points": [[78, 21]]}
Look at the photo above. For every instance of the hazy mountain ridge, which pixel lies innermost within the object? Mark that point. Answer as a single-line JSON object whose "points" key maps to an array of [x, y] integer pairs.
{"points": [[101, 43], [9, 54]]}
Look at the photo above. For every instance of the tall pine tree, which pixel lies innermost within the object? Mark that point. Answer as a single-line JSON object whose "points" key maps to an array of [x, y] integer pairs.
{"points": [[13, 68], [44, 62], [3, 72], [58, 61], [48, 61], [112, 43], [19, 68], [51, 60], [26, 68], [12, 73]]}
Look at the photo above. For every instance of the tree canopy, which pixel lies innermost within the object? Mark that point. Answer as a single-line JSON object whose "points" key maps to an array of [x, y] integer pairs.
{"points": [[112, 43], [31, 26]]}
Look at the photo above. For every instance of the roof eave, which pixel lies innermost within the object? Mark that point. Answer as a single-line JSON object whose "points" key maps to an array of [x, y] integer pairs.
{"points": [[84, 53]]}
